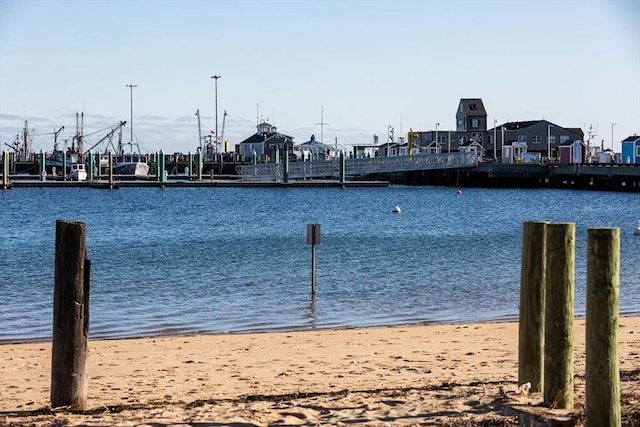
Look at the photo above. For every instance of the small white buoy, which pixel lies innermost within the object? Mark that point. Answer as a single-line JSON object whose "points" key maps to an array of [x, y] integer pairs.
{"points": [[397, 209], [459, 192], [637, 230]]}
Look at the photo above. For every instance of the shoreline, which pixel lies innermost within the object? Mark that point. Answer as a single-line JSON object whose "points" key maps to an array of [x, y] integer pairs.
{"points": [[106, 337], [396, 374]]}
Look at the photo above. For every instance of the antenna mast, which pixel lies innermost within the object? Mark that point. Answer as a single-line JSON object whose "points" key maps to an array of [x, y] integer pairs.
{"points": [[322, 124]]}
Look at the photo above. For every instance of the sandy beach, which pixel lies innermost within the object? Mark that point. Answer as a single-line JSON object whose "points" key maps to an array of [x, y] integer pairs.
{"points": [[462, 374]]}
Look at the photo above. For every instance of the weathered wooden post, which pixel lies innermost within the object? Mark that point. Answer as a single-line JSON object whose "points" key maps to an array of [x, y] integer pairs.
{"points": [[313, 238], [558, 336], [343, 175], [532, 292], [70, 317], [199, 164], [603, 282]]}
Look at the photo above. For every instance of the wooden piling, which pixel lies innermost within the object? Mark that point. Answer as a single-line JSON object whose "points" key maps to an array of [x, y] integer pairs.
{"points": [[558, 346], [532, 292], [70, 317], [603, 282]]}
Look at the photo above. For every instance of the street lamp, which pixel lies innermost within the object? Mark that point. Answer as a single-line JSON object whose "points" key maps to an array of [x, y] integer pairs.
{"points": [[131, 88], [612, 125], [549, 142], [216, 94]]}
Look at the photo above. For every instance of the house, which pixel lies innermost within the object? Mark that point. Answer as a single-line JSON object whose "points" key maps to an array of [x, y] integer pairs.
{"points": [[265, 143], [471, 126], [471, 123], [311, 150], [631, 150], [540, 136], [572, 152]]}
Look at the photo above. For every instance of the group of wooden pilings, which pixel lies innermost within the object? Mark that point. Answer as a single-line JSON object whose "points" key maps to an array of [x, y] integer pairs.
{"points": [[545, 350]]}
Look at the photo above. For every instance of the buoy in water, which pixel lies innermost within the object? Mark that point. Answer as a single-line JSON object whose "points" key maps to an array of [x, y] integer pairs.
{"points": [[396, 209], [459, 192], [637, 230]]}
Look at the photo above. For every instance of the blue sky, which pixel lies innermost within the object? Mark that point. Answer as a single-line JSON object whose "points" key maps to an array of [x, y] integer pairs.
{"points": [[367, 64]]}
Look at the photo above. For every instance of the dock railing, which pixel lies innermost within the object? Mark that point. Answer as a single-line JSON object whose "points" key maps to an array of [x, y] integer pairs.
{"points": [[330, 169]]}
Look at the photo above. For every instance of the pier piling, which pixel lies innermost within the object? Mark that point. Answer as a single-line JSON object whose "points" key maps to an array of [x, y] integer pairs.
{"points": [[532, 313], [558, 330], [70, 317], [602, 401]]}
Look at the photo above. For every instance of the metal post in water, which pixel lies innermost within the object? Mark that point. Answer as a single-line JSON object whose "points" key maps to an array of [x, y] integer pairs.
{"points": [[199, 163], [90, 166], [43, 170], [313, 238], [286, 165], [5, 170], [111, 182], [64, 166]]}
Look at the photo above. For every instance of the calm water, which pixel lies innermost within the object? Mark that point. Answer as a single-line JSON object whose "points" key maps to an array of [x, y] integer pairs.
{"points": [[196, 260]]}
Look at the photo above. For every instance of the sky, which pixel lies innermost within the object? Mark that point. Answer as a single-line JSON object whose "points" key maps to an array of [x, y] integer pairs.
{"points": [[359, 66]]}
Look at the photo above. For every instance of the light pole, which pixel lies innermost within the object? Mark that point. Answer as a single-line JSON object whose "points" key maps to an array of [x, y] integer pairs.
{"points": [[612, 125], [549, 142], [131, 88], [216, 95], [495, 136]]}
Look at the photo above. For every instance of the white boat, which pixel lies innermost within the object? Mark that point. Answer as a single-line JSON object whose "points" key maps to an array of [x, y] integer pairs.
{"points": [[78, 172], [130, 164]]}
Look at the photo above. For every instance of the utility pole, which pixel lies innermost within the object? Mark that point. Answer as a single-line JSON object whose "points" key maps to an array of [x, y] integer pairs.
{"points": [[131, 87], [216, 95]]}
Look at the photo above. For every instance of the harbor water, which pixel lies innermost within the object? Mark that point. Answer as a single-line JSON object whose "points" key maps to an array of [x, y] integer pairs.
{"points": [[217, 260]]}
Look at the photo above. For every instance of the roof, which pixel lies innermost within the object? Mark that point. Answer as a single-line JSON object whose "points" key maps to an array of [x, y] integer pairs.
{"points": [[473, 107], [277, 138], [631, 138]]}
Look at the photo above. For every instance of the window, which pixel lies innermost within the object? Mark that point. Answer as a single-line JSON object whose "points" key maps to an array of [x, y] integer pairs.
{"points": [[638, 151], [552, 140], [475, 123], [564, 138], [522, 138], [442, 139], [536, 139]]}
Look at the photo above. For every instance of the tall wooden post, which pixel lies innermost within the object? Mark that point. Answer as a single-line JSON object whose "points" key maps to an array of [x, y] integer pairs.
{"points": [[70, 317], [603, 283], [532, 292], [558, 346]]}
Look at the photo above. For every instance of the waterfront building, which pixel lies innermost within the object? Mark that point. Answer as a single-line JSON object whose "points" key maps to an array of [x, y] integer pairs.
{"points": [[631, 150], [312, 150], [263, 145], [540, 136]]}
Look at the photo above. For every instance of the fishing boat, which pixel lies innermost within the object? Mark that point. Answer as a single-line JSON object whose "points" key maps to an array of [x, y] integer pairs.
{"points": [[130, 164], [78, 172]]}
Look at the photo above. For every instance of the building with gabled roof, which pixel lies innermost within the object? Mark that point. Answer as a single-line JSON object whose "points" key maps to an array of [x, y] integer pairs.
{"points": [[264, 143], [631, 150]]}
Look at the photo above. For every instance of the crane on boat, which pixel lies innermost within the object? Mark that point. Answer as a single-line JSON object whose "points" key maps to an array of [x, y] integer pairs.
{"points": [[109, 136]]}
